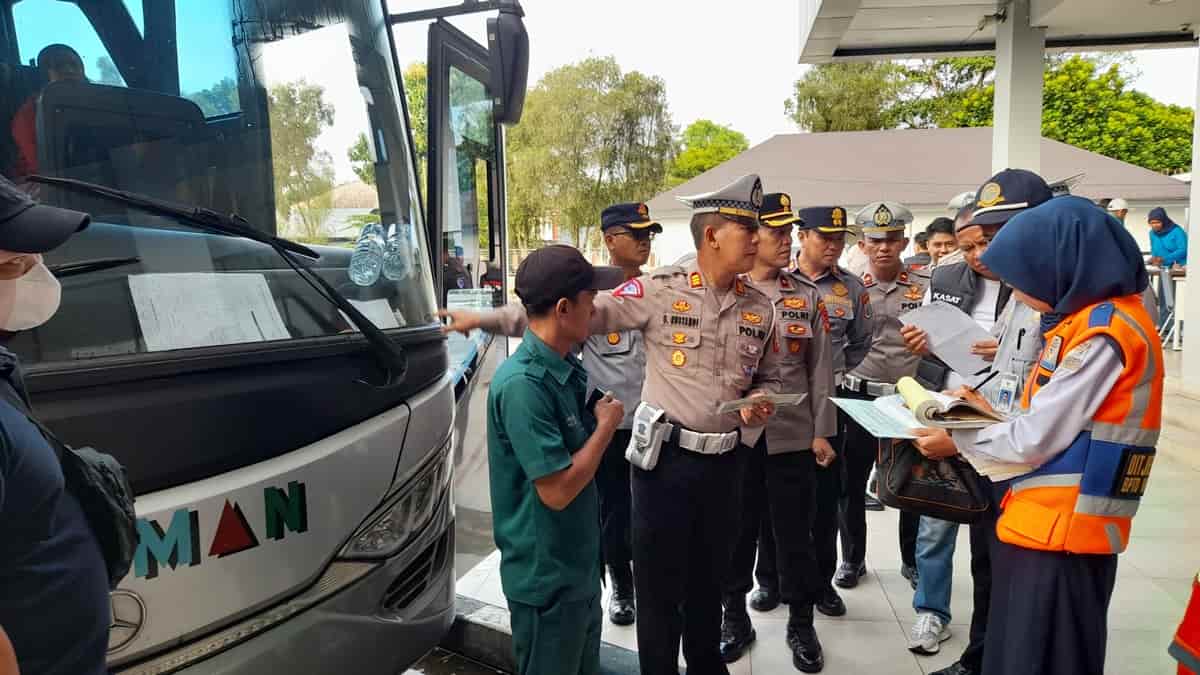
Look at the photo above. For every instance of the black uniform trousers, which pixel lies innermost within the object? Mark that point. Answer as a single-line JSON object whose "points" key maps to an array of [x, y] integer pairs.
{"points": [[683, 513], [829, 482], [616, 502], [778, 504], [1048, 612], [983, 538], [859, 451]]}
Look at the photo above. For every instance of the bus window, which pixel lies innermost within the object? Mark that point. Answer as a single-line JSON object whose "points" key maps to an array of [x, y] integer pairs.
{"points": [[290, 121]]}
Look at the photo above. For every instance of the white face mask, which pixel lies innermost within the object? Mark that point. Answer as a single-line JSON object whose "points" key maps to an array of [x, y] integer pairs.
{"points": [[36, 298]]}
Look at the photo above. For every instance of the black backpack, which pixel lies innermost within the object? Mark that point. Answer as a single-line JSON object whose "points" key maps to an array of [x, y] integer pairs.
{"points": [[95, 478]]}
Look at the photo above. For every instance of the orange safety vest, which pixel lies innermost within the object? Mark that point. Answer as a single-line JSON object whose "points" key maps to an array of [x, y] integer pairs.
{"points": [[1186, 646], [1084, 499]]}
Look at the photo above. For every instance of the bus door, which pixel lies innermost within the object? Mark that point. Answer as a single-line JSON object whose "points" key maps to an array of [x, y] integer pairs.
{"points": [[466, 219]]}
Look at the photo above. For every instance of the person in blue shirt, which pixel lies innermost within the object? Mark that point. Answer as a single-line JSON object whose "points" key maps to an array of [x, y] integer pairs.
{"points": [[1168, 241], [53, 581]]}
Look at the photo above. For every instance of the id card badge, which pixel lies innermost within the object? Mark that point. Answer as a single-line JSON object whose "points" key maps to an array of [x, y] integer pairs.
{"points": [[1006, 392]]}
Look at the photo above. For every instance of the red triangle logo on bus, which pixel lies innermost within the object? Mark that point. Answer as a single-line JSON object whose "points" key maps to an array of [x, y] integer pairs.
{"points": [[233, 532]]}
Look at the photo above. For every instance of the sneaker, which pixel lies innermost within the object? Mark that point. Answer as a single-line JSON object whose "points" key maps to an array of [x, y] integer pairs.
{"points": [[927, 634]]}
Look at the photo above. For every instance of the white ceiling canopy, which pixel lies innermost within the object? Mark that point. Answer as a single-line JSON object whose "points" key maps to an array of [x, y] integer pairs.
{"points": [[842, 30]]}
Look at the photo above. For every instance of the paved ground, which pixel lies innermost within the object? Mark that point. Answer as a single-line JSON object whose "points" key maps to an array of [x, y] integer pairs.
{"points": [[1153, 579]]}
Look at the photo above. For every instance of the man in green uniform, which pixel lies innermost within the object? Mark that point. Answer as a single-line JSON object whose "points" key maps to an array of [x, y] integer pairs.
{"points": [[544, 446]]}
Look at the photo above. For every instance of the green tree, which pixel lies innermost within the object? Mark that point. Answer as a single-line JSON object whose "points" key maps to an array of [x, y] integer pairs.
{"points": [[705, 145], [854, 96], [360, 160], [415, 83], [590, 136], [219, 99], [1089, 105], [303, 174], [108, 72]]}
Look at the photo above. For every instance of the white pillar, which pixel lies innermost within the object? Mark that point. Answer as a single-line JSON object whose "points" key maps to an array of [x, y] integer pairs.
{"points": [[1191, 300], [1017, 125]]}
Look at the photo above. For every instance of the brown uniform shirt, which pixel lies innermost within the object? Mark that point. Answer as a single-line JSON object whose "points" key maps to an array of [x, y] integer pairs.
{"points": [[889, 360], [805, 350], [701, 349]]}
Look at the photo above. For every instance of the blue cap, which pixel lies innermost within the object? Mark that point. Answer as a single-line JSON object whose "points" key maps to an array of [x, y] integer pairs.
{"points": [[634, 215], [1008, 193], [828, 219]]}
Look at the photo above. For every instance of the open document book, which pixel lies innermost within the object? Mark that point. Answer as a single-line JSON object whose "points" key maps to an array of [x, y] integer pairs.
{"points": [[935, 409], [895, 417]]}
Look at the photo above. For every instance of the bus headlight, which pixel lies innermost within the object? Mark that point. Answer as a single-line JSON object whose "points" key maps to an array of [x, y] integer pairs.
{"points": [[406, 513]]}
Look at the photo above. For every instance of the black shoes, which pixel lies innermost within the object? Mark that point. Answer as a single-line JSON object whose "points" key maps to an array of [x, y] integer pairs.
{"points": [[956, 668], [909, 572], [802, 640], [848, 574], [622, 611], [764, 599], [736, 632], [830, 603]]}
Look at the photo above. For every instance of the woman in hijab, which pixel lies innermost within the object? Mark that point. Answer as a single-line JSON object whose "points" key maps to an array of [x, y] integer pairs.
{"points": [[1168, 241], [1085, 444]]}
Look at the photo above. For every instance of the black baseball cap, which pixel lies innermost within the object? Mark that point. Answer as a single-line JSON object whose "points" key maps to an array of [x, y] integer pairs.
{"points": [[1008, 193], [560, 271], [29, 227], [634, 215]]}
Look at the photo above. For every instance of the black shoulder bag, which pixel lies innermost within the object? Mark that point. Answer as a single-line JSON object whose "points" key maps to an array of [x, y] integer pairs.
{"points": [[99, 482], [947, 489]]}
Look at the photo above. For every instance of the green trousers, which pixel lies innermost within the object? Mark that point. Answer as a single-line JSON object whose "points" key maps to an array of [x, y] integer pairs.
{"points": [[562, 638]]}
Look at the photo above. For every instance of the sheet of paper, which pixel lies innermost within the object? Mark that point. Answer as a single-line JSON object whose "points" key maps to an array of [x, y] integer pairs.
{"points": [[205, 309], [951, 333], [379, 311], [879, 420], [995, 469], [777, 399]]}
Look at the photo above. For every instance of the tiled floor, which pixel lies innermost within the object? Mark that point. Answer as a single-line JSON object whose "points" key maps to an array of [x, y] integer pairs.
{"points": [[1153, 582]]}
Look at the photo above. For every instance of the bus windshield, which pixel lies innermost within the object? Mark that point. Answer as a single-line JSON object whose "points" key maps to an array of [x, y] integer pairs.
{"points": [[287, 114]]}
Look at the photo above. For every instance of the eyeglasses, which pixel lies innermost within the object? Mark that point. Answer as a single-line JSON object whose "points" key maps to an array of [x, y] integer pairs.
{"points": [[640, 235]]}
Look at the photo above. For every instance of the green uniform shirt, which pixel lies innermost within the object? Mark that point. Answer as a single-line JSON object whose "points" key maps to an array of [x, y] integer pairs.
{"points": [[537, 418]]}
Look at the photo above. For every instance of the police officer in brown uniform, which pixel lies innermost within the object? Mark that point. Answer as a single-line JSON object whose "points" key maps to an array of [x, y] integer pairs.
{"points": [[779, 490], [893, 289], [823, 237], [708, 335]]}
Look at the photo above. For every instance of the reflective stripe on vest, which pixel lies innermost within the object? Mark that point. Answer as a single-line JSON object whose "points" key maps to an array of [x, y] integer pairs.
{"points": [[1084, 499]]}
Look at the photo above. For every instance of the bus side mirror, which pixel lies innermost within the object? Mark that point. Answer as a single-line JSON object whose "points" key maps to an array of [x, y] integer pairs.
{"points": [[508, 53]]}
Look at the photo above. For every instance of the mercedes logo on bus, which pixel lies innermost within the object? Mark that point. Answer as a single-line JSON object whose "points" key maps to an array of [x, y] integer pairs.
{"points": [[128, 617]]}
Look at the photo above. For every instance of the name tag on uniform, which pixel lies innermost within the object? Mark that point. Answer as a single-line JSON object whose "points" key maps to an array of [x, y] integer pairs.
{"points": [[1050, 356]]}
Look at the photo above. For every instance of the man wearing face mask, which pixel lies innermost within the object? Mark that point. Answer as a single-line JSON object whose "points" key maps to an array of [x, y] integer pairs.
{"points": [[53, 580]]}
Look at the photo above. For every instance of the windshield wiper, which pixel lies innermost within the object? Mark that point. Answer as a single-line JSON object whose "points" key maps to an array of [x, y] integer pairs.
{"points": [[391, 356], [71, 269]]}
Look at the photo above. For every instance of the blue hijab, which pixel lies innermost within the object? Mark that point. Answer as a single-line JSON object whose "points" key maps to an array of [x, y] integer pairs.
{"points": [[1069, 254], [1160, 214]]}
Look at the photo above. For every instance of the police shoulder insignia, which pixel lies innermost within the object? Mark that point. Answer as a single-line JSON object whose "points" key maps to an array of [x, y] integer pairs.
{"points": [[614, 338], [883, 216], [795, 303], [989, 195], [751, 317], [904, 277], [681, 306], [695, 280], [840, 289], [678, 358], [631, 289]]}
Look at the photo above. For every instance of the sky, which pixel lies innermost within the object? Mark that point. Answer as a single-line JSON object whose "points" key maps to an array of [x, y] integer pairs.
{"points": [[733, 63]]}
